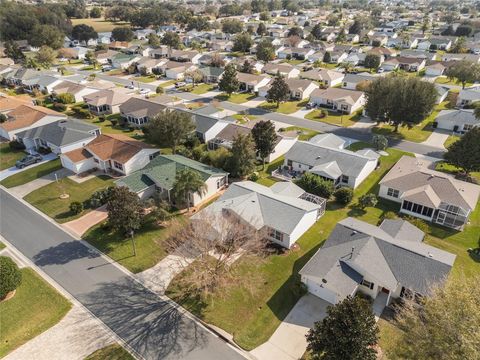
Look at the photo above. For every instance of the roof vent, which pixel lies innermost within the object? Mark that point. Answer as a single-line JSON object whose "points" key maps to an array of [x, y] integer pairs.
{"points": [[430, 255], [324, 281]]}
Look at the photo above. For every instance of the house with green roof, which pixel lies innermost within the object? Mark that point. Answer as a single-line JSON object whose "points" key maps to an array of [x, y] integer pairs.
{"points": [[160, 173]]}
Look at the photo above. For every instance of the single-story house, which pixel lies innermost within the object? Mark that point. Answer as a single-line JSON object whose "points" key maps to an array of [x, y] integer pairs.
{"points": [[468, 96], [286, 70], [328, 78], [351, 81], [435, 69], [60, 137], [442, 93], [295, 53], [300, 89], [346, 101], [107, 101], [459, 121], [69, 87], [123, 61], [282, 210], [251, 82], [105, 56], [109, 153], [43, 83], [404, 63], [191, 56], [160, 173], [211, 74], [385, 262], [138, 111], [428, 194], [147, 64]]}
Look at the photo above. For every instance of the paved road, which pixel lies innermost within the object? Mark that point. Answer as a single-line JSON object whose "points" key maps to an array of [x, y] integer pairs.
{"points": [[154, 328]]}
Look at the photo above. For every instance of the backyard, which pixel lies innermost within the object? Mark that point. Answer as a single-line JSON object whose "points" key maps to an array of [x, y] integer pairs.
{"points": [[334, 117], [8, 156], [287, 107], [31, 174], [36, 307], [47, 198]]}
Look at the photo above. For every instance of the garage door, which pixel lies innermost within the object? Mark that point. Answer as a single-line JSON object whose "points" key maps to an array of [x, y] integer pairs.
{"points": [[321, 292]]}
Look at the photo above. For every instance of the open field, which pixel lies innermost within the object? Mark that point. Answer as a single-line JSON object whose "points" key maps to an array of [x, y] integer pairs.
{"points": [[100, 25]]}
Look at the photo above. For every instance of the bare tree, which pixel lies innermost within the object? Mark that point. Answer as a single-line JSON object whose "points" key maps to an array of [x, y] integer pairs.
{"points": [[209, 246], [293, 40]]}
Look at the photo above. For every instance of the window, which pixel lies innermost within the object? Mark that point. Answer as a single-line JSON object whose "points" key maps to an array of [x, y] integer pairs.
{"points": [[368, 284], [274, 234], [117, 165], [467, 127], [344, 179], [392, 192], [417, 208]]}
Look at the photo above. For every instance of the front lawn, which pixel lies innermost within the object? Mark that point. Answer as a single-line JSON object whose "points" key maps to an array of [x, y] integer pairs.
{"points": [[9, 157], [417, 133], [168, 83], [147, 240], [243, 119], [145, 79], [36, 307], [108, 128], [47, 199], [31, 174], [201, 88], [239, 98], [444, 80], [334, 117], [252, 316], [111, 352], [304, 134], [450, 140], [287, 107]]}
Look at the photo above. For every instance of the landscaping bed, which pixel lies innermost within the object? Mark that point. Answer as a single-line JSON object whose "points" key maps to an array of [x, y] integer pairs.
{"points": [[31, 174]]}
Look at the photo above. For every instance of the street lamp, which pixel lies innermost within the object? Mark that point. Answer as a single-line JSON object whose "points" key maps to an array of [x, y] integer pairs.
{"points": [[133, 243]]}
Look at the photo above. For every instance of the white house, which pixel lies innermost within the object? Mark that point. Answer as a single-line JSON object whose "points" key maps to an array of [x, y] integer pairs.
{"points": [[252, 82], [346, 101], [459, 121], [300, 89], [328, 78], [468, 96]]}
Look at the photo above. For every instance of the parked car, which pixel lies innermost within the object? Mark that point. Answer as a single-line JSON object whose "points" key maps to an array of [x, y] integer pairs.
{"points": [[310, 105], [106, 68], [131, 87], [380, 70], [180, 84], [28, 160], [144, 91]]}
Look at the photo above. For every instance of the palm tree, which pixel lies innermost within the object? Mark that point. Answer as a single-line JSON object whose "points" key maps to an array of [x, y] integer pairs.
{"points": [[188, 181]]}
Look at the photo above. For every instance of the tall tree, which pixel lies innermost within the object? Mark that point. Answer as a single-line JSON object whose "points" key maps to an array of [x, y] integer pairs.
{"points": [[171, 39], [265, 51], [262, 29], [122, 34], [153, 40], [279, 90], [13, 51], [265, 138], [295, 31], [47, 35], [242, 42], [169, 128], [187, 183], [232, 26], [400, 100], [45, 57], [194, 75], [247, 67], [465, 152], [83, 33], [372, 61], [96, 12], [349, 332], [124, 210], [229, 82], [242, 161], [317, 31], [464, 71], [445, 327]]}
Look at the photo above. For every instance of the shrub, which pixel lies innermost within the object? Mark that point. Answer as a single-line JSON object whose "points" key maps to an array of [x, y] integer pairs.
{"points": [[114, 122], [59, 106], [344, 195], [419, 223], [10, 276], [16, 145], [316, 185], [76, 207], [254, 177], [99, 197], [323, 113], [368, 200], [389, 215], [159, 90], [380, 142], [44, 150], [66, 98], [101, 118]]}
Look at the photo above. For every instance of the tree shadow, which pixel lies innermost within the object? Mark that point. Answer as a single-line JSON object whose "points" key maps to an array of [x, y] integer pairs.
{"points": [[153, 327], [356, 211], [64, 253]]}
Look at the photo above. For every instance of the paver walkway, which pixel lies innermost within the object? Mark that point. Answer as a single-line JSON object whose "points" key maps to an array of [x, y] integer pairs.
{"points": [[76, 336], [25, 189], [79, 226], [288, 342], [437, 138]]}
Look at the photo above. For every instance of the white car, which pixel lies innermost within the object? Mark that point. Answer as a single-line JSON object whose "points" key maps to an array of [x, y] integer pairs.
{"points": [[144, 91], [131, 87]]}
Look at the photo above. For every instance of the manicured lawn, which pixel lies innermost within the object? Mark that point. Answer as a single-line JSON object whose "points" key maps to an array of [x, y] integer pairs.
{"points": [[450, 140], [359, 145], [47, 199], [168, 83], [99, 25], [35, 308], [148, 241], [145, 79], [108, 128], [31, 174], [111, 352], [201, 88], [9, 157], [303, 133], [334, 117], [417, 133], [443, 166], [252, 316], [294, 61], [266, 181], [2, 245], [287, 107], [243, 119], [115, 72], [445, 80], [236, 98]]}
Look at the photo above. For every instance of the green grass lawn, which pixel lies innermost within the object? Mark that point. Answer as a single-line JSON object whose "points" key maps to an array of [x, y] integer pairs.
{"points": [[9, 157], [145, 79], [2, 245], [35, 308], [443, 166], [31, 174], [99, 25], [294, 61], [168, 83], [334, 117], [417, 133], [236, 98], [243, 119], [148, 241], [108, 128], [450, 140], [252, 317], [201, 88], [287, 107], [304, 134], [47, 199], [111, 352], [446, 81]]}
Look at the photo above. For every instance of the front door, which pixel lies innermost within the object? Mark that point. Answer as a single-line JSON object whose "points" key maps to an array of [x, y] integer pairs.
{"points": [[385, 290], [441, 217]]}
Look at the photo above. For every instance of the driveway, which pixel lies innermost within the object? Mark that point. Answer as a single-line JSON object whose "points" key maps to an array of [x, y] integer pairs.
{"points": [[13, 170], [288, 342], [437, 138], [22, 190], [79, 226]]}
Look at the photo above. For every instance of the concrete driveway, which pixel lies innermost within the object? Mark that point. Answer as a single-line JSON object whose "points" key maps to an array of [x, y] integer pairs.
{"points": [[79, 226], [288, 342], [13, 170], [25, 189], [437, 138]]}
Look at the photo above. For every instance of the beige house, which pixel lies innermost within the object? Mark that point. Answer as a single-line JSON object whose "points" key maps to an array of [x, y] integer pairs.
{"points": [[107, 101], [328, 78], [341, 100]]}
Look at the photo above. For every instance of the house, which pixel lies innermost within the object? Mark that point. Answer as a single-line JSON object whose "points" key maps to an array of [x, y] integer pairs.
{"points": [[109, 153], [251, 82], [43, 83], [25, 117], [428, 194], [9, 103], [146, 65], [60, 136], [444, 44], [227, 135], [381, 51], [468, 96], [207, 127], [459, 57], [176, 70], [283, 210], [300, 89], [342, 167], [327, 78], [18, 76], [435, 69], [160, 173], [345, 101], [459, 121], [76, 52], [385, 262], [105, 56], [123, 61], [338, 56], [69, 87], [295, 53], [118, 45], [211, 74], [191, 56], [139, 111], [404, 63], [286, 70], [351, 81], [107, 101]]}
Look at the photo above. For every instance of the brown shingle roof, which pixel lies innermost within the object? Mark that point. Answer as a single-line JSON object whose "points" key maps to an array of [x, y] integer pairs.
{"points": [[116, 147], [8, 103], [78, 155], [26, 115]]}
